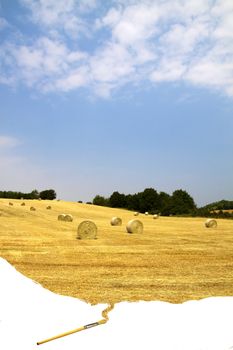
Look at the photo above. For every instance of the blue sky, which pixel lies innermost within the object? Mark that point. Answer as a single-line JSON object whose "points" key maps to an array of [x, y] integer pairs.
{"points": [[99, 96]]}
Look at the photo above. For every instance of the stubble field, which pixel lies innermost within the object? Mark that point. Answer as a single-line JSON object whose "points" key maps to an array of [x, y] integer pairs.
{"points": [[175, 259]]}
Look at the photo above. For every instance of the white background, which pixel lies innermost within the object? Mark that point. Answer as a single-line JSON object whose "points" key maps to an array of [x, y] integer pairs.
{"points": [[30, 313]]}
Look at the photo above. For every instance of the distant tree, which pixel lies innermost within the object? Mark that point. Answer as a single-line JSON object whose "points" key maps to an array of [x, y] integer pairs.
{"points": [[164, 203], [34, 194], [48, 194], [182, 203], [220, 205], [132, 201], [19, 195], [148, 200], [117, 200], [179, 203], [100, 200]]}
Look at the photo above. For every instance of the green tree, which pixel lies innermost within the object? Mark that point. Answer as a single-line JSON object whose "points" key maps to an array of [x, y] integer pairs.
{"points": [[132, 202], [164, 203], [148, 200], [100, 200], [117, 200], [182, 203], [48, 194], [34, 194]]}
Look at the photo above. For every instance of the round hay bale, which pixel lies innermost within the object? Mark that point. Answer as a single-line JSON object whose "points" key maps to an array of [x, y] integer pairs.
{"points": [[68, 218], [155, 216], [134, 226], [23, 204], [115, 221], [10, 203], [32, 208], [211, 223], [87, 230], [136, 213], [61, 217], [146, 213], [49, 207]]}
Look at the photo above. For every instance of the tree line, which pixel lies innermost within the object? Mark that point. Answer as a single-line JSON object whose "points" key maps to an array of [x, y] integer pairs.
{"points": [[34, 194], [216, 210], [149, 200], [179, 203], [220, 205]]}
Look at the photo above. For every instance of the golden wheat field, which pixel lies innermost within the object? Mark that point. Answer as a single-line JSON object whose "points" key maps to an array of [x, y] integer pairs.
{"points": [[174, 259]]}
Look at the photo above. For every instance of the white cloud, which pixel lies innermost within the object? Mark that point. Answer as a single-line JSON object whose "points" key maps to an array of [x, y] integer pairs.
{"points": [[212, 74], [8, 142], [45, 55], [111, 63], [181, 39], [168, 71], [78, 78], [135, 24], [49, 12], [42, 64], [135, 41], [62, 14]]}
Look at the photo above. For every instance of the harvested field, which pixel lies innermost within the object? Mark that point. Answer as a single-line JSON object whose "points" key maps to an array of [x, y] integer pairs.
{"points": [[174, 259]]}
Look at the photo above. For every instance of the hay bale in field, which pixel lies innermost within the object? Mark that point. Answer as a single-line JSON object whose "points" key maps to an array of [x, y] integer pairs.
{"points": [[61, 217], [211, 223], [155, 216], [32, 208], [115, 221], [10, 203], [87, 230], [146, 213], [49, 207], [136, 213], [23, 204], [134, 226], [68, 217]]}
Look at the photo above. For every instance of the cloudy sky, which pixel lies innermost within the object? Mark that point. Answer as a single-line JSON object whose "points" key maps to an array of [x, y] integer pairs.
{"points": [[98, 96]]}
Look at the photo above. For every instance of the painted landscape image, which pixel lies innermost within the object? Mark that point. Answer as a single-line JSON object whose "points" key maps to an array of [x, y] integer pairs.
{"points": [[116, 174], [170, 258]]}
